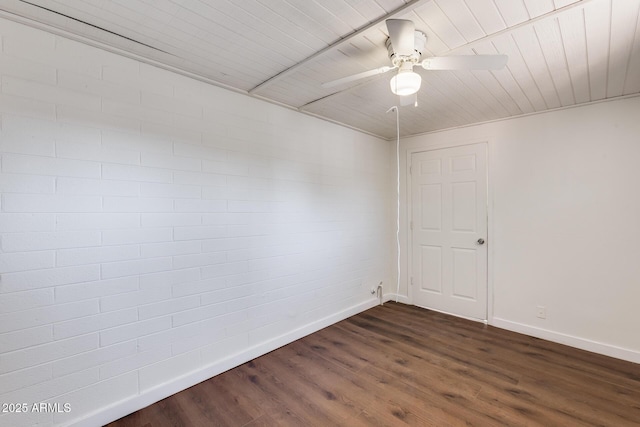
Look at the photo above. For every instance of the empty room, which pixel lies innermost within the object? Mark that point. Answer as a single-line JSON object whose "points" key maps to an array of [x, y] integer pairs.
{"points": [[319, 213]]}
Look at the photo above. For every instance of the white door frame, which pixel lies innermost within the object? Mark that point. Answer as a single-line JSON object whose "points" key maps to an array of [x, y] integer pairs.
{"points": [[408, 209]]}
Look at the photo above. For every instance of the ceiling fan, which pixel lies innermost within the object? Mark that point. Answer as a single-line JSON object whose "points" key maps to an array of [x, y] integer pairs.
{"points": [[405, 46]]}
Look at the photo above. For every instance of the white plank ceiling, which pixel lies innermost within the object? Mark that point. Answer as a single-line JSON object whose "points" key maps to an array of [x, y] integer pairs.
{"points": [[561, 52]]}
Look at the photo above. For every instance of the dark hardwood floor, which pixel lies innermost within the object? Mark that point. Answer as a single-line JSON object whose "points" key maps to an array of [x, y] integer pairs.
{"points": [[398, 364]]}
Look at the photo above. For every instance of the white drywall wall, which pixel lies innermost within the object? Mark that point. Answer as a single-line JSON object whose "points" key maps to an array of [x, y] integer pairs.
{"points": [[564, 206], [156, 230]]}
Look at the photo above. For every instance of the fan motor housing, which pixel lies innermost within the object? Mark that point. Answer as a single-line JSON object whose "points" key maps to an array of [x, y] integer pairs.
{"points": [[418, 46]]}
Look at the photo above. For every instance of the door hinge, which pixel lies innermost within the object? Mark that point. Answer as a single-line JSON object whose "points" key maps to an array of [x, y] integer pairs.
{"points": [[411, 281], [411, 225], [410, 169]]}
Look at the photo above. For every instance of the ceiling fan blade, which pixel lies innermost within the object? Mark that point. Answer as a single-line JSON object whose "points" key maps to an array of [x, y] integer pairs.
{"points": [[358, 76], [465, 62], [409, 100], [401, 33]]}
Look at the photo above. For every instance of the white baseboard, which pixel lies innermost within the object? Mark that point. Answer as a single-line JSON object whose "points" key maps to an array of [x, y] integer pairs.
{"points": [[125, 407], [570, 340], [396, 298]]}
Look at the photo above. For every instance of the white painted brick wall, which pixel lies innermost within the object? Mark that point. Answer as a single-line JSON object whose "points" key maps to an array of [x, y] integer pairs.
{"points": [[16, 301], [10, 341], [170, 161], [96, 255], [136, 204], [129, 236], [145, 295], [20, 105], [134, 362], [49, 93], [96, 221], [135, 173], [35, 355], [133, 331], [95, 86], [170, 219], [137, 142], [21, 261], [47, 315], [45, 278], [93, 358], [24, 378], [135, 267], [169, 336], [95, 323], [10, 183], [199, 260], [39, 165], [55, 130], [27, 144], [84, 186], [55, 387], [95, 151], [95, 289], [49, 203], [152, 250], [29, 70], [170, 190], [203, 206], [152, 226]]}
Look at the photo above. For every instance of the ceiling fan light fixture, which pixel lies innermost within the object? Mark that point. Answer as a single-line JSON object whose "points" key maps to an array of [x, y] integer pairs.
{"points": [[406, 82]]}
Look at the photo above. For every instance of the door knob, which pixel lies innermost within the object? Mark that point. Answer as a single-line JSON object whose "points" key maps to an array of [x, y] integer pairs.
{"points": [[481, 241]]}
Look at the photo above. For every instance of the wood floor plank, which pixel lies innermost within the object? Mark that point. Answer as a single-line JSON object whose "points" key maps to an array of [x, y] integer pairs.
{"points": [[604, 392], [402, 365], [370, 390], [269, 394], [349, 357], [288, 391], [556, 361], [603, 365], [578, 403], [465, 355], [231, 406], [325, 396]]}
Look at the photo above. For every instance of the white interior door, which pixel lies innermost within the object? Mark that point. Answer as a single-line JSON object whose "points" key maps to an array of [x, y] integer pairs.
{"points": [[449, 229]]}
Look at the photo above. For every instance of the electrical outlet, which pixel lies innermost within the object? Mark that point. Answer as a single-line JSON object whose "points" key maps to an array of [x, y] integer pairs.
{"points": [[541, 312]]}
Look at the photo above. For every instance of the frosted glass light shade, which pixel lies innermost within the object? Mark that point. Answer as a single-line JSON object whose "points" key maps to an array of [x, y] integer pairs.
{"points": [[405, 83]]}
